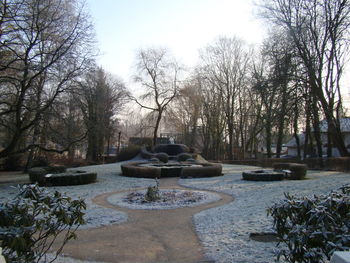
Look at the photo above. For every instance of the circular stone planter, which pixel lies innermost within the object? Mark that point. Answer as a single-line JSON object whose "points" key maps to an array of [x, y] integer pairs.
{"points": [[169, 199], [175, 169], [263, 175]]}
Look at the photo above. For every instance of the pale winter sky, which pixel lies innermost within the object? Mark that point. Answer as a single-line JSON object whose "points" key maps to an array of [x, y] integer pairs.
{"points": [[183, 26]]}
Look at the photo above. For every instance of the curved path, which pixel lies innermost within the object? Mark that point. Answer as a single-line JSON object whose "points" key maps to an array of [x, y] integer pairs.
{"points": [[147, 236]]}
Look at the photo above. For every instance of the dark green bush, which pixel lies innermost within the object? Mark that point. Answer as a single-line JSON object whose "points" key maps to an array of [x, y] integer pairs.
{"points": [[281, 166], [205, 170], [29, 223], [37, 174], [312, 228], [132, 169], [70, 178], [298, 171], [128, 153], [163, 157], [146, 154], [184, 157]]}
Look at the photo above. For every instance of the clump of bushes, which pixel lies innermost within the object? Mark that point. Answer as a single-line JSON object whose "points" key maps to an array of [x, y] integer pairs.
{"points": [[281, 166], [297, 171], [37, 174], [312, 228], [35, 217], [163, 157], [128, 153], [184, 157]]}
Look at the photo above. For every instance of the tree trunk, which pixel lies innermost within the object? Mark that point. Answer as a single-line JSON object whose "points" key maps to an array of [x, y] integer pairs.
{"points": [[336, 135], [268, 138], [329, 144], [230, 142], [156, 127], [317, 131], [295, 130]]}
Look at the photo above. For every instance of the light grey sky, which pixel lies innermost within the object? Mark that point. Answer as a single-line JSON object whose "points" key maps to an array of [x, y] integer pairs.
{"points": [[183, 26]]}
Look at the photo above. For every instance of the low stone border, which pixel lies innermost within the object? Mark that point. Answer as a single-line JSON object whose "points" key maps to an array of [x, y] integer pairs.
{"points": [[133, 169], [263, 175]]}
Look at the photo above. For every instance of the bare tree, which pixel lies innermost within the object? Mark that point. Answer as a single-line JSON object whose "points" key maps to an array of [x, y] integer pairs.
{"points": [[45, 45], [157, 72], [226, 64], [184, 112], [319, 31]]}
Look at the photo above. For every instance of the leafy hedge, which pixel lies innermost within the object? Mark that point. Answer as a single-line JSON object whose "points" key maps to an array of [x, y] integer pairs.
{"points": [[312, 228], [128, 153]]}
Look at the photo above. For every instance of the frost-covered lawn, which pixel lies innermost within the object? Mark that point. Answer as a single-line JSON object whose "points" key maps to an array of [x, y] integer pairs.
{"points": [[224, 231]]}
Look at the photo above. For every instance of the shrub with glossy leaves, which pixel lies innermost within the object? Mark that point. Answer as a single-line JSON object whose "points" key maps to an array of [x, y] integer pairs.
{"points": [[31, 221], [312, 228]]}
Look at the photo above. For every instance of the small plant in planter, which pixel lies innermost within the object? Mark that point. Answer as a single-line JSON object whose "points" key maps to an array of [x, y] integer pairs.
{"points": [[152, 193], [31, 221], [312, 228]]}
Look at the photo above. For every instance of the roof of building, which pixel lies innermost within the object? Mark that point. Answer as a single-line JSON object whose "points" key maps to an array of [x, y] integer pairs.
{"points": [[344, 125], [292, 142]]}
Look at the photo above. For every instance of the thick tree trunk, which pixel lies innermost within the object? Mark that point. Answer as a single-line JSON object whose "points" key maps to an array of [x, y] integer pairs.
{"points": [[156, 127]]}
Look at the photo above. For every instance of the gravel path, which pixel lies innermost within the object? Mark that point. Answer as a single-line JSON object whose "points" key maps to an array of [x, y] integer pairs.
{"points": [[224, 231]]}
